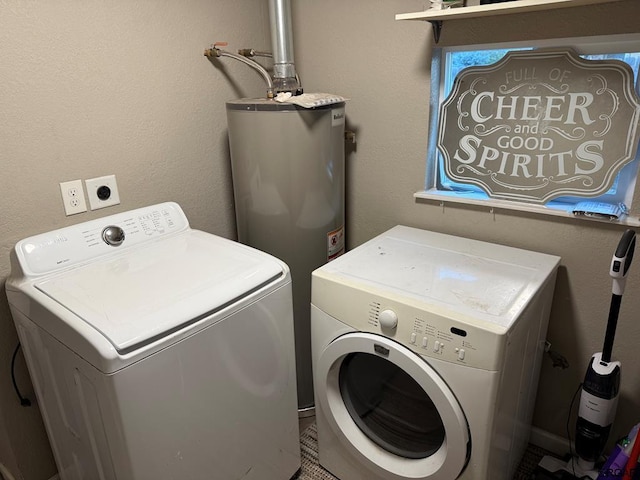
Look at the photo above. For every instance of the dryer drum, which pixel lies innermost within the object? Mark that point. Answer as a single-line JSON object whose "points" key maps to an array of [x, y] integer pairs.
{"points": [[377, 415], [390, 407]]}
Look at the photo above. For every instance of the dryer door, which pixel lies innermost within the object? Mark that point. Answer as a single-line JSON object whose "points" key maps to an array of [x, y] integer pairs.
{"points": [[392, 409]]}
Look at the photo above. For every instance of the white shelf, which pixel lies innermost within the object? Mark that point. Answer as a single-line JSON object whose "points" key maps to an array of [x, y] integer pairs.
{"points": [[515, 6]]}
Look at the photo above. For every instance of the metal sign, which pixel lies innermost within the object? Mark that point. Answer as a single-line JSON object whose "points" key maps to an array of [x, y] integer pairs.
{"points": [[540, 124]]}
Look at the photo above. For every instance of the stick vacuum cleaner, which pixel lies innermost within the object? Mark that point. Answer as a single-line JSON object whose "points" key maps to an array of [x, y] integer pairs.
{"points": [[599, 394]]}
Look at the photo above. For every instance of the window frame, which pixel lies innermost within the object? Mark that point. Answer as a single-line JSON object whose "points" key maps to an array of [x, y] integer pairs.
{"points": [[582, 45]]}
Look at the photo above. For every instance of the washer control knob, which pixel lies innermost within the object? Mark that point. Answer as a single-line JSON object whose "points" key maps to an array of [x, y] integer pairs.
{"points": [[113, 235], [388, 319]]}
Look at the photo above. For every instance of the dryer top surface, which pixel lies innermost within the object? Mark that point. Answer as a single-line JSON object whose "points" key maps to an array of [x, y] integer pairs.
{"points": [[478, 279]]}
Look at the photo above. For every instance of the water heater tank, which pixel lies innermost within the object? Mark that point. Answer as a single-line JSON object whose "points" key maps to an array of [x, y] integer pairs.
{"points": [[288, 181]]}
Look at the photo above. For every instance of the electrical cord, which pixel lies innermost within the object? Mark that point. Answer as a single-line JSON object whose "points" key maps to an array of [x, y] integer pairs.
{"points": [[25, 402], [573, 400]]}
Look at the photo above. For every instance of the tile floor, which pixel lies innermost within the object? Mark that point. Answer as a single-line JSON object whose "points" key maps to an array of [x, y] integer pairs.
{"points": [[311, 470]]}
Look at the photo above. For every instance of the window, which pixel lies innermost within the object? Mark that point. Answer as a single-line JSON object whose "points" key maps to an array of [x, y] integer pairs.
{"points": [[449, 61]]}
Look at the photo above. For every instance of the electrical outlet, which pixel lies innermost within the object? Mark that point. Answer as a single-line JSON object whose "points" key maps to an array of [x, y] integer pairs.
{"points": [[73, 197], [102, 192]]}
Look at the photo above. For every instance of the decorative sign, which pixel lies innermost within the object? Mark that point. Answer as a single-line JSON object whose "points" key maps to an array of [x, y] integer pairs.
{"points": [[540, 124]]}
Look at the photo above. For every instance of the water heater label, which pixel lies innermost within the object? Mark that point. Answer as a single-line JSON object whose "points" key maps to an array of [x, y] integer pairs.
{"points": [[335, 243], [337, 117]]}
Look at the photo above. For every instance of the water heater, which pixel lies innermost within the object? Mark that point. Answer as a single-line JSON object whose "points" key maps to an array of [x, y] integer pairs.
{"points": [[288, 181]]}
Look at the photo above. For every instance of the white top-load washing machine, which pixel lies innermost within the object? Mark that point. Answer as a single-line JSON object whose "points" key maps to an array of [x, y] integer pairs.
{"points": [[426, 356], [157, 351]]}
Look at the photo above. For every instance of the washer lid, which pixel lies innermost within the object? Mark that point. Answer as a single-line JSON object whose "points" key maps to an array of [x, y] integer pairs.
{"points": [[149, 292]]}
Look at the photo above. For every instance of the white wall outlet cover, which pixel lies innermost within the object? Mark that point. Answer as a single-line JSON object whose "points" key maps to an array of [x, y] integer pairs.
{"points": [[102, 192], [73, 197]]}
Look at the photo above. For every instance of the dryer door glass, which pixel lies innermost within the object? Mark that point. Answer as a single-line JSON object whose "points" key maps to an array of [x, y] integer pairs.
{"points": [[389, 406]]}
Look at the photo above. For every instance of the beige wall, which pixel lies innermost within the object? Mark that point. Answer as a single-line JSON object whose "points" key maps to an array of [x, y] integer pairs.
{"points": [[356, 49], [89, 88]]}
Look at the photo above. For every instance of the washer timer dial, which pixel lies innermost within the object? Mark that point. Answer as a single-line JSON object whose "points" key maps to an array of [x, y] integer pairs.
{"points": [[113, 235]]}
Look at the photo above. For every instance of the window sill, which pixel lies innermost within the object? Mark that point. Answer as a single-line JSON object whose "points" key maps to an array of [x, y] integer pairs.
{"points": [[455, 197]]}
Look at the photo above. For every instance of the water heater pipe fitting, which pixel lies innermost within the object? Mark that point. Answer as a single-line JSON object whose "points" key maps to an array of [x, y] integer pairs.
{"points": [[214, 51]]}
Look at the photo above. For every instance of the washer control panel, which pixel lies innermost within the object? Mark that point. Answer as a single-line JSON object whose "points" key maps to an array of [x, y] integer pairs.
{"points": [[79, 243]]}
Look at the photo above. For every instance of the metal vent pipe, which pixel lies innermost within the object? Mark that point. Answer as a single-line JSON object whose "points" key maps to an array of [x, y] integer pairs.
{"points": [[284, 71]]}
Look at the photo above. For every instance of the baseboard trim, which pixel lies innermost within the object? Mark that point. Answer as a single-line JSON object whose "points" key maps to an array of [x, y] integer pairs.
{"points": [[549, 441]]}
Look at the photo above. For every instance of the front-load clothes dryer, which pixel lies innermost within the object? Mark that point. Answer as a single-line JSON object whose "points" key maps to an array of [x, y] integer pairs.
{"points": [[157, 351], [426, 356]]}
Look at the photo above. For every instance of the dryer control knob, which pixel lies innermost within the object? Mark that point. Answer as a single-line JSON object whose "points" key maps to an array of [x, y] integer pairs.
{"points": [[388, 319], [113, 235]]}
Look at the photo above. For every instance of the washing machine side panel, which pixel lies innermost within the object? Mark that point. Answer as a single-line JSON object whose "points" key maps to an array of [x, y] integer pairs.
{"points": [[46, 402], [63, 325], [68, 401], [222, 401]]}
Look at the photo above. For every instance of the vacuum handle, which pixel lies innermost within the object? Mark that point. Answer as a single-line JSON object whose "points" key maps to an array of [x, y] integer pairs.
{"points": [[620, 264], [621, 261]]}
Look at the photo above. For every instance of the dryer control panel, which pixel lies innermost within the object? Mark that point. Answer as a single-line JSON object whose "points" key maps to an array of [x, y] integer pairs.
{"points": [[431, 334], [429, 329], [77, 244]]}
